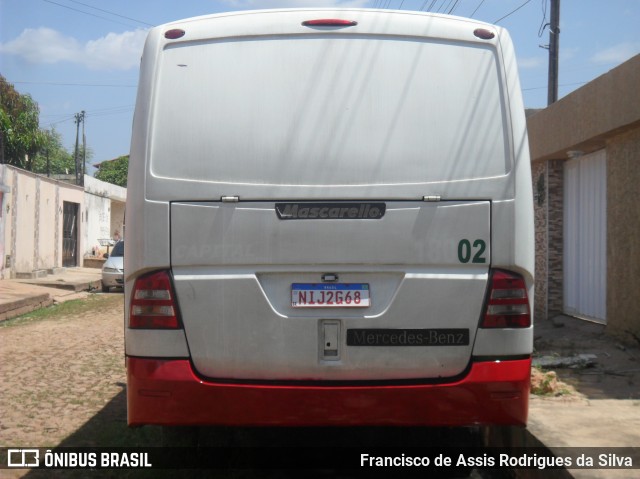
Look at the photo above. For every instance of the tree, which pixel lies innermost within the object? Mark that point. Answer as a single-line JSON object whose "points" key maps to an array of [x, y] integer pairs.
{"points": [[21, 137], [60, 161], [114, 171]]}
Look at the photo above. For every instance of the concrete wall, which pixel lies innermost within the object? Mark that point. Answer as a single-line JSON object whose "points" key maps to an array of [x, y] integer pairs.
{"points": [[32, 221], [5, 209], [604, 114], [117, 218], [97, 219], [104, 204], [587, 117], [623, 234], [45, 251]]}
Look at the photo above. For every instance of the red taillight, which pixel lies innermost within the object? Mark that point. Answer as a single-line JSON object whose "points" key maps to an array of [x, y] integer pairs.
{"points": [[329, 22], [153, 303], [507, 302]]}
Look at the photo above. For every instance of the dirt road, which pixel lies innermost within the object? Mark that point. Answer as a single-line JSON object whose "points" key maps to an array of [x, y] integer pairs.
{"points": [[58, 372], [62, 378]]}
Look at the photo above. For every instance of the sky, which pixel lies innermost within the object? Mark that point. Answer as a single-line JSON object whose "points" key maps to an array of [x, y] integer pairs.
{"points": [[74, 55]]}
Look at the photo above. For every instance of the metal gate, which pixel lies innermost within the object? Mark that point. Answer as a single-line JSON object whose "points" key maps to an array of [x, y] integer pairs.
{"points": [[70, 234], [585, 237]]}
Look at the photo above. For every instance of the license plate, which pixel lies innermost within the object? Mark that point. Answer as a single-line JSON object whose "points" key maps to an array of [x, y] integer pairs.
{"points": [[335, 295]]}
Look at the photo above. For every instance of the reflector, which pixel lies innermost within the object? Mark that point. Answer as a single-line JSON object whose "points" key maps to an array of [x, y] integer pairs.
{"points": [[483, 33], [173, 34], [329, 22]]}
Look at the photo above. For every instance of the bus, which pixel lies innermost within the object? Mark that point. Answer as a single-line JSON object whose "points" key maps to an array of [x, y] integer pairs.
{"points": [[329, 223]]}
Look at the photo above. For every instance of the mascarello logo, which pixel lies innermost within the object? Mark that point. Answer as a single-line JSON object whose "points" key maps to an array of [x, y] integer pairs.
{"points": [[330, 211]]}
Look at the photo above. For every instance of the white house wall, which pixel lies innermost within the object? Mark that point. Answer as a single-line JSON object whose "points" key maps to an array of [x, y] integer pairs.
{"points": [[32, 221], [45, 250], [117, 218], [104, 215], [97, 217]]}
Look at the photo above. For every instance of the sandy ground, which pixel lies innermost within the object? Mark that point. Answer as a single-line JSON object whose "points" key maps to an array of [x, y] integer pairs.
{"points": [[66, 374], [58, 373]]}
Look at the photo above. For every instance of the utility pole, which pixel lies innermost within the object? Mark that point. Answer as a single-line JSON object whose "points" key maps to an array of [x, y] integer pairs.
{"points": [[554, 47], [79, 118], [75, 152], [84, 150], [1, 149], [48, 162]]}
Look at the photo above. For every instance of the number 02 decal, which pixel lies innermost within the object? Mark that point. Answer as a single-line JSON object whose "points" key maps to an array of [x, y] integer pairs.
{"points": [[465, 251]]}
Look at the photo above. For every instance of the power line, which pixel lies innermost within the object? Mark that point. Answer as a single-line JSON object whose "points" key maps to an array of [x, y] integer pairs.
{"points": [[543, 25], [54, 115], [512, 12], [454, 7], [563, 84], [111, 85], [62, 121], [425, 4], [112, 13], [444, 10], [90, 14], [116, 110], [112, 108], [477, 8]]}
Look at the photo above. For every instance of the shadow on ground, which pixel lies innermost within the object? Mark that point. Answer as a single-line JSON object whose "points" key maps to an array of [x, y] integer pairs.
{"points": [[109, 429]]}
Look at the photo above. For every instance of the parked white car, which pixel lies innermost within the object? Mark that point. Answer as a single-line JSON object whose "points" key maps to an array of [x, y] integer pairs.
{"points": [[113, 268]]}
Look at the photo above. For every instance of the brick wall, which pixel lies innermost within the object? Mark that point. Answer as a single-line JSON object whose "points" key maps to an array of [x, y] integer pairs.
{"points": [[555, 198], [539, 176], [548, 183]]}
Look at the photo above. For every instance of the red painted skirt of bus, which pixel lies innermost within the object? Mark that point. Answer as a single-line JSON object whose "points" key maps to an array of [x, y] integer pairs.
{"points": [[168, 392]]}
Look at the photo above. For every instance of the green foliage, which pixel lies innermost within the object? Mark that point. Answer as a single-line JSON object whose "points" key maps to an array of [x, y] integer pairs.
{"points": [[19, 127], [114, 171], [60, 160]]}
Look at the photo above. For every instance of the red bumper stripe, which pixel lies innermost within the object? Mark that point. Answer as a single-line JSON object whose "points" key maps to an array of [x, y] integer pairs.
{"points": [[167, 392]]}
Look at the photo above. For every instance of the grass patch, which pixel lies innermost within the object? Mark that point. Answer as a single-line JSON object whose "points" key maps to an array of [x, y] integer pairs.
{"points": [[68, 308]]}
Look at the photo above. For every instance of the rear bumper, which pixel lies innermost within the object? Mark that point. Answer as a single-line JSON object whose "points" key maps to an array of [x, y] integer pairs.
{"points": [[168, 392]]}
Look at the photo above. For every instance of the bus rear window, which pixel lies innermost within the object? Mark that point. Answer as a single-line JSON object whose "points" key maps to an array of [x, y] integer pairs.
{"points": [[339, 110]]}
